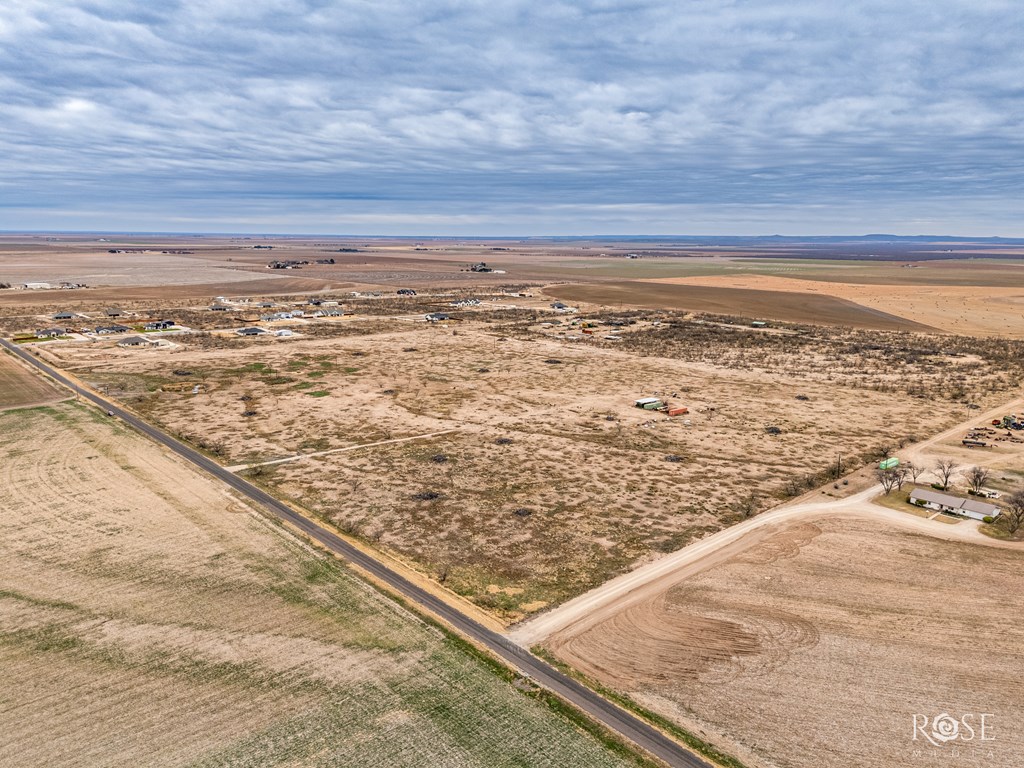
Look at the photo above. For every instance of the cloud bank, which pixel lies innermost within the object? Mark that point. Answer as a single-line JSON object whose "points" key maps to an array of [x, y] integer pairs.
{"points": [[709, 116]]}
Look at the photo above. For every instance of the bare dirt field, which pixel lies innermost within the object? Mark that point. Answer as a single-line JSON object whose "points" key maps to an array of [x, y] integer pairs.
{"points": [[817, 645], [789, 306], [546, 480], [972, 310], [20, 387], [149, 618]]}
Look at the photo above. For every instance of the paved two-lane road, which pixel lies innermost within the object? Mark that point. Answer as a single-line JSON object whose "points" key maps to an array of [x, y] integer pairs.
{"points": [[611, 716]]}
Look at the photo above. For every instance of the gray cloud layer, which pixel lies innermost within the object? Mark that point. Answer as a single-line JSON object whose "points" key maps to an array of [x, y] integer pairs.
{"points": [[513, 117]]}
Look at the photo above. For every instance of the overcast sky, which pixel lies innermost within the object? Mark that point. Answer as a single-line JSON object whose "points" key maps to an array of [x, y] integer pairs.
{"points": [[491, 117]]}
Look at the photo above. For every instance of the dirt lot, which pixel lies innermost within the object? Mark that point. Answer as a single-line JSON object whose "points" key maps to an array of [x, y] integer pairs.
{"points": [[148, 618], [20, 387], [796, 653], [548, 481]]}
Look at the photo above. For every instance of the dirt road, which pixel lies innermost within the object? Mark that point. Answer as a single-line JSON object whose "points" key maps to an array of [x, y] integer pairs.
{"points": [[613, 596]]}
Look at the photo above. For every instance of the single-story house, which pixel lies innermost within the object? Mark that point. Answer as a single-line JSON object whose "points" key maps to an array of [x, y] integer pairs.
{"points": [[284, 332], [113, 312], [106, 329], [437, 317], [219, 308], [133, 341], [64, 316], [50, 333], [36, 286], [955, 505], [253, 331], [159, 325]]}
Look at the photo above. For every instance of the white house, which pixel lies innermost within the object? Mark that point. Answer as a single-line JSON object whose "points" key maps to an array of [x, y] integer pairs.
{"points": [[956, 505]]}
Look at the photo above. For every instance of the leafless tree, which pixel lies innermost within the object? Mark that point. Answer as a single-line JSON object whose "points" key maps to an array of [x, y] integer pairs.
{"points": [[890, 478], [901, 476], [944, 470], [913, 470], [977, 477], [1014, 512], [745, 507]]}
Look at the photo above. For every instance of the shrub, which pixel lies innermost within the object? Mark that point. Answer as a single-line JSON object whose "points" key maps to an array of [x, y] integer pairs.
{"points": [[988, 519]]}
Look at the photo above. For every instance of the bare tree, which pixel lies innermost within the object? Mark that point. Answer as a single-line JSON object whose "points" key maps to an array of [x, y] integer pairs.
{"points": [[1014, 512], [944, 470], [913, 470], [890, 478], [745, 507], [977, 477], [901, 476]]}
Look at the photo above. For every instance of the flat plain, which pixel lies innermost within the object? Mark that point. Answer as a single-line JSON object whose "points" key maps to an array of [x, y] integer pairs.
{"points": [[508, 462], [498, 452], [817, 645], [149, 618]]}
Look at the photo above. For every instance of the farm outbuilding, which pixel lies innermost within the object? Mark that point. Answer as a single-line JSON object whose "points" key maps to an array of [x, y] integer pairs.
{"points": [[649, 403]]}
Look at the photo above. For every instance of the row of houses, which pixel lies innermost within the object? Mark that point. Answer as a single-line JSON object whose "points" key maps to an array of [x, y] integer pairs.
{"points": [[104, 330], [66, 315]]}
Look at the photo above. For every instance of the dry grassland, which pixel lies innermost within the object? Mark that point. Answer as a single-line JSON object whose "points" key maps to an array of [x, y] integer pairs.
{"points": [[147, 618], [20, 387], [817, 646], [552, 482]]}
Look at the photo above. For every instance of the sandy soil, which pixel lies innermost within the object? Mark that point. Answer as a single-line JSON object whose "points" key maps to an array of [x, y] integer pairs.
{"points": [[968, 310], [644, 583], [794, 652], [149, 618]]}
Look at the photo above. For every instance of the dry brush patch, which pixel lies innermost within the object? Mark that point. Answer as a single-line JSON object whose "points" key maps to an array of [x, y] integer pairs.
{"points": [[148, 618], [553, 481]]}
